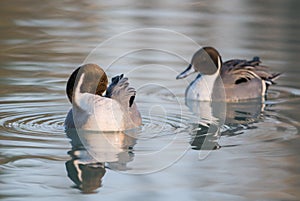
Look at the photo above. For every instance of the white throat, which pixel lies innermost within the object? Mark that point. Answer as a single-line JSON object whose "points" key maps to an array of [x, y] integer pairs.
{"points": [[202, 87]]}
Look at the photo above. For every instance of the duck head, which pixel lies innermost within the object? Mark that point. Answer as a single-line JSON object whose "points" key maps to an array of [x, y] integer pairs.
{"points": [[206, 61], [95, 80]]}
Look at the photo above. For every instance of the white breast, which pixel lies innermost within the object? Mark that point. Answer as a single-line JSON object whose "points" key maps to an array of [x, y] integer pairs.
{"points": [[202, 88]]}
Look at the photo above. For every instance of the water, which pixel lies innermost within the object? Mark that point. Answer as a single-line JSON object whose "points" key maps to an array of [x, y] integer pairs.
{"points": [[256, 157]]}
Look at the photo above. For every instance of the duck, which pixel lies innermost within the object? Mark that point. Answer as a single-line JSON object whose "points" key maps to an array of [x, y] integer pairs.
{"points": [[97, 107], [238, 79]]}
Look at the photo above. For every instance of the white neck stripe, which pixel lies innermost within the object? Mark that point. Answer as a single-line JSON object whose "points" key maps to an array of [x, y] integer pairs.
{"points": [[77, 90], [219, 62]]}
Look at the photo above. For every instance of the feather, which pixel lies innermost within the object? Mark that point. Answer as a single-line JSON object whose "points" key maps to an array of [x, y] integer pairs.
{"points": [[119, 90]]}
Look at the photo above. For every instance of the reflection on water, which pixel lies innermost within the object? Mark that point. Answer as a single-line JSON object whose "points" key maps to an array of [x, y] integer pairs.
{"points": [[86, 175], [222, 119], [253, 156], [244, 112], [92, 152], [205, 137]]}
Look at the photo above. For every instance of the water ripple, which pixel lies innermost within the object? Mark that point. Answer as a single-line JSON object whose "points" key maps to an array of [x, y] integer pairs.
{"points": [[31, 128]]}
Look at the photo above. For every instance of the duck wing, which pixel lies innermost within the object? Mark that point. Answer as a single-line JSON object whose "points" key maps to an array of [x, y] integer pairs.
{"points": [[244, 70], [119, 90]]}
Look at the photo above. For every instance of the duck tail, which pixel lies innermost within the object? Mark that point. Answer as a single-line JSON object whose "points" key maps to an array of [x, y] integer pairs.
{"points": [[271, 80], [255, 61]]}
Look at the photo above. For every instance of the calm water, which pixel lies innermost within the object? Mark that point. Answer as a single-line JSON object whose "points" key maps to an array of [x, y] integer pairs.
{"points": [[255, 156]]}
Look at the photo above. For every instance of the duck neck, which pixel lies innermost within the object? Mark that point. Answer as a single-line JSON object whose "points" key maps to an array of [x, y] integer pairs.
{"points": [[210, 79], [77, 93], [202, 87]]}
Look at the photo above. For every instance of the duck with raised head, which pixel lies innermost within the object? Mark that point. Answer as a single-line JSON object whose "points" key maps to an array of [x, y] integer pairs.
{"points": [[241, 79], [92, 109]]}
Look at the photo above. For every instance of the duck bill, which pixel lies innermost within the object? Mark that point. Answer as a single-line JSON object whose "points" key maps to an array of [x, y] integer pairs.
{"points": [[186, 72]]}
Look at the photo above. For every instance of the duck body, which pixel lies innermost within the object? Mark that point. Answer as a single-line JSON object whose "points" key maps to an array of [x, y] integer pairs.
{"points": [[98, 113], [115, 111], [237, 79], [245, 79]]}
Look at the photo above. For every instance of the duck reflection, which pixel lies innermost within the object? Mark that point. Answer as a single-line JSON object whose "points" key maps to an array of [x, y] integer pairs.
{"points": [[93, 152], [206, 132], [243, 112], [204, 136], [222, 118], [242, 116]]}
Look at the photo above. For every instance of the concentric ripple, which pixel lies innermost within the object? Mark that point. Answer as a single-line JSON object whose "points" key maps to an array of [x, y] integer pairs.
{"points": [[30, 128], [37, 117]]}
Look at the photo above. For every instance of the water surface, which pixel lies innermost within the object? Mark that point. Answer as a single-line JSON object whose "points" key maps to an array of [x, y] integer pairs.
{"points": [[255, 156]]}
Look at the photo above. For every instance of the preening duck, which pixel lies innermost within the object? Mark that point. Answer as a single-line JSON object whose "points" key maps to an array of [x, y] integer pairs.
{"points": [[92, 110]]}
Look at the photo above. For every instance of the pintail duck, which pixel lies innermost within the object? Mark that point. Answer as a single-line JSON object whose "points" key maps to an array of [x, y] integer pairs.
{"points": [[91, 110], [241, 79]]}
